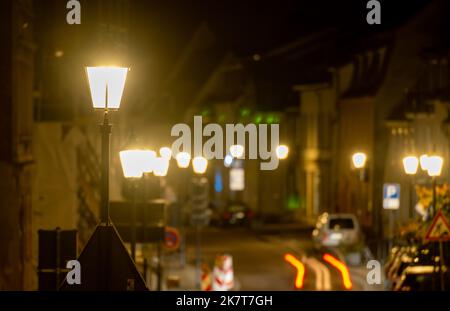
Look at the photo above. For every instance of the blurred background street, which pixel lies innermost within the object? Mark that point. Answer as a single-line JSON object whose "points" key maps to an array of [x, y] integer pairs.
{"points": [[225, 145]]}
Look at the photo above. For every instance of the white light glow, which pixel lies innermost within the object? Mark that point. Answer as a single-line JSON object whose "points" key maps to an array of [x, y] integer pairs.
{"points": [[237, 151], [199, 164], [359, 159], [132, 163], [435, 164], [424, 162], [148, 161], [161, 167], [282, 152], [165, 152], [183, 159], [104, 80], [410, 165], [228, 160]]}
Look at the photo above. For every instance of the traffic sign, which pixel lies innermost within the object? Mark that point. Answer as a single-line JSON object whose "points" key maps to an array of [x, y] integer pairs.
{"points": [[171, 238], [106, 264], [439, 229], [391, 196]]}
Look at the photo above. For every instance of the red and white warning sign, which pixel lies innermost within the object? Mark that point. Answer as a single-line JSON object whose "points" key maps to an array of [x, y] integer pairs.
{"points": [[223, 276], [439, 229]]}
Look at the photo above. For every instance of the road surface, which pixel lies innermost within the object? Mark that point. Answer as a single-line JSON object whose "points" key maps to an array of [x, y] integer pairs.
{"points": [[258, 260]]}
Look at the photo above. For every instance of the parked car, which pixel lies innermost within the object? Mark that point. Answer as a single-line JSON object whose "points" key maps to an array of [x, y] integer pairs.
{"points": [[236, 214], [336, 230]]}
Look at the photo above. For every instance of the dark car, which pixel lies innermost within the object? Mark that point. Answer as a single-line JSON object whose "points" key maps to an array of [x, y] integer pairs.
{"points": [[236, 214]]}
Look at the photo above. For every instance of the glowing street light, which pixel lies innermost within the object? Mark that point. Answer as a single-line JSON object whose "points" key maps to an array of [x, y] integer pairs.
{"points": [[132, 163], [237, 151], [227, 160], [183, 159], [200, 164], [410, 165], [282, 152], [434, 166], [161, 166], [359, 160], [423, 160], [165, 152], [106, 85], [148, 160]]}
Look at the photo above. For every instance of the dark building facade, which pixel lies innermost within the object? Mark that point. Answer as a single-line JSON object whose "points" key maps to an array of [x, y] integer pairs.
{"points": [[16, 139]]}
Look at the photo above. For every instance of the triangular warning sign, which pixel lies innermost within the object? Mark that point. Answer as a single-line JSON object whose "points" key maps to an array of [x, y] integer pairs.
{"points": [[106, 264], [439, 229]]}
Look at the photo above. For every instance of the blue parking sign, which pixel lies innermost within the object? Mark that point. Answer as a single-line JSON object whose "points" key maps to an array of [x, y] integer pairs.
{"points": [[391, 196]]}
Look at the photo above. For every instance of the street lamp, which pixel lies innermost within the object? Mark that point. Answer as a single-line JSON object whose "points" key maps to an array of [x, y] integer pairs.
{"points": [[106, 85], [133, 164], [410, 165], [199, 164], [228, 160], [359, 160], [148, 161], [183, 159], [434, 165], [423, 160], [237, 151], [165, 152], [434, 169], [161, 166], [282, 152]]}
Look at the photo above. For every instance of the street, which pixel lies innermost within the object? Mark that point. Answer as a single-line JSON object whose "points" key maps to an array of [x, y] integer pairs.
{"points": [[258, 260]]}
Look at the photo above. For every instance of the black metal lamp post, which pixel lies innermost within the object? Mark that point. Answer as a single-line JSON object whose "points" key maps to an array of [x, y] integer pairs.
{"points": [[106, 85]]}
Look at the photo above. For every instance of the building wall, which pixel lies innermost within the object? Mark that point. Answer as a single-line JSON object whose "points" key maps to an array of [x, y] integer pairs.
{"points": [[316, 118], [356, 134], [16, 98]]}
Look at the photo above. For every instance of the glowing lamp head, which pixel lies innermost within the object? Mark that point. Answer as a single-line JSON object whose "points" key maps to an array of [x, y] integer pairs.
{"points": [[183, 159], [423, 160], [359, 160], [237, 151], [148, 160], [435, 164], [132, 163], [228, 160], [106, 85], [410, 165], [200, 164], [161, 167], [282, 152], [165, 152]]}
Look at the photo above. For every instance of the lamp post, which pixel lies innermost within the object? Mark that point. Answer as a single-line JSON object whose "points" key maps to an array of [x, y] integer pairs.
{"points": [[410, 166], [183, 160], [106, 85], [133, 163], [359, 160], [160, 169], [199, 165], [434, 168]]}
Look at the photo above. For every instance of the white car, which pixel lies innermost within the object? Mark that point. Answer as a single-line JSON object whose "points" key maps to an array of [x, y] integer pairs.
{"points": [[336, 229]]}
